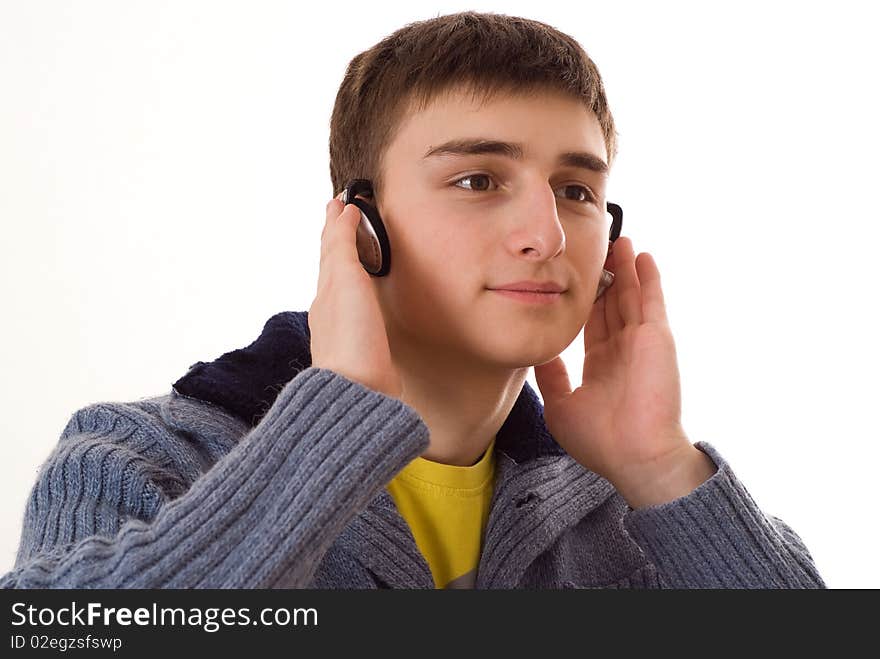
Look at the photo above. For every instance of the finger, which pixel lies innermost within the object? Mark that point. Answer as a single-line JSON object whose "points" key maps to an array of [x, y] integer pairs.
{"points": [[343, 238], [552, 379], [629, 293], [333, 211], [653, 302], [613, 320]]}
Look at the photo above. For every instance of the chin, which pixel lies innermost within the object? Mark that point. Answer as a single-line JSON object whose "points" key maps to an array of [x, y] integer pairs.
{"points": [[521, 353]]}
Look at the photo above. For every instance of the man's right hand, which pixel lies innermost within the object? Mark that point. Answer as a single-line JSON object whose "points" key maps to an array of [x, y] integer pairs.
{"points": [[345, 320]]}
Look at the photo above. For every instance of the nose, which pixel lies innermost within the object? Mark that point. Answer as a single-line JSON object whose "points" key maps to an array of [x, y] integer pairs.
{"points": [[535, 231]]}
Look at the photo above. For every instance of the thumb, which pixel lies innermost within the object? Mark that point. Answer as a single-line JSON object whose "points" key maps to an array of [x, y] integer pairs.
{"points": [[351, 216], [552, 379]]}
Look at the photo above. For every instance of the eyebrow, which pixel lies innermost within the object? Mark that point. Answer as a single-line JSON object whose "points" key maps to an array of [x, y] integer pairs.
{"points": [[480, 145]]}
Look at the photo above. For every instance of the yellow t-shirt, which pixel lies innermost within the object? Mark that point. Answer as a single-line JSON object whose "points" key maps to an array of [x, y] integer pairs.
{"points": [[446, 507]]}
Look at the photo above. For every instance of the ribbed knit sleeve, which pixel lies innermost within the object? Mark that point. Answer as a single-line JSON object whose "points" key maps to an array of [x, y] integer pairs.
{"points": [[262, 516], [717, 537]]}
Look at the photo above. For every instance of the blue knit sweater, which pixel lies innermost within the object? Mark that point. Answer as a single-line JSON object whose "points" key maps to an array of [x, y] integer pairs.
{"points": [[258, 470]]}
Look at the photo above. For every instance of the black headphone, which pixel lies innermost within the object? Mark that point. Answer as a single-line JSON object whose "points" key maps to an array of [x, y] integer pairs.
{"points": [[373, 247], [372, 239]]}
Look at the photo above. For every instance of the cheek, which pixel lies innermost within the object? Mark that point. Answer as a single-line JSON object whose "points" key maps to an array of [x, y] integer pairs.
{"points": [[587, 251], [429, 253], [586, 271]]}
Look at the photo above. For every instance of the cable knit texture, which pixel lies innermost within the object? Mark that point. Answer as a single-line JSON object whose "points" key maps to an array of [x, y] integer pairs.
{"points": [[258, 470]]}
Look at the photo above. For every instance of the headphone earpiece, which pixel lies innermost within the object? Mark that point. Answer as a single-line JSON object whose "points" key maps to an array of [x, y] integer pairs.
{"points": [[374, 250], [607, 278]]}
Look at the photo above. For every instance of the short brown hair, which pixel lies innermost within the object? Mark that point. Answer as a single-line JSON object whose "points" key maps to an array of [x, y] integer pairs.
{"points": [[483, 53]]}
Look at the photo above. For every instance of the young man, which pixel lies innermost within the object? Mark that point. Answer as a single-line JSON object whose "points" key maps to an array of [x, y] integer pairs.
{"points": [[387, 438]]}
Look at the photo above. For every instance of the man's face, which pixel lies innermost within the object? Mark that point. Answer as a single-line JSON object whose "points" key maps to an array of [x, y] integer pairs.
{"points": [[460, 225]]}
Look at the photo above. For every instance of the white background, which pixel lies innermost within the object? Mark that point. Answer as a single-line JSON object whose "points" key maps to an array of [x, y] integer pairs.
{"points": [[164, 174]]}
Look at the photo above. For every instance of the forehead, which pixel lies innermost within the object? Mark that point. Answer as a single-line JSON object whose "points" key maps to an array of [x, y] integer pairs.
{"points": [[544, 122]]}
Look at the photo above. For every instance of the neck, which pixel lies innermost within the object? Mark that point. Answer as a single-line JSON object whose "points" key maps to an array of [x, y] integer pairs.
{"points": [[463, 403]]}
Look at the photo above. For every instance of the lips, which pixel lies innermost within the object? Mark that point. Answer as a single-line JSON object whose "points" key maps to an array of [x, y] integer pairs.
{"points": [[531, 287]]}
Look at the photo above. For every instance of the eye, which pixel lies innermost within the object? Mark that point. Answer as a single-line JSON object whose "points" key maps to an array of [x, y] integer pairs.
{"points": [[582, 193], [478, 178]]}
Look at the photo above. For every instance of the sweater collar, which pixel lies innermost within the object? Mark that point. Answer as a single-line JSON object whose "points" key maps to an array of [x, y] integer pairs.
{"points": [[247, 381]]}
